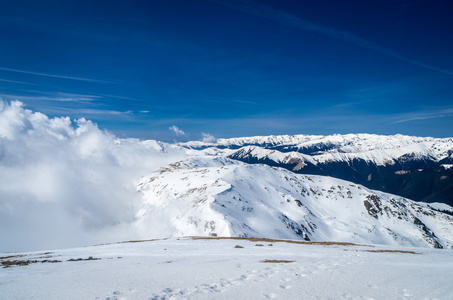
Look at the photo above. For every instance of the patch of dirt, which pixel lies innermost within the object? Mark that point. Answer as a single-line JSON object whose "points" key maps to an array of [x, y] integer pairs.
{"points": [[10, 263], [270, 241], [392, 251], [266, 240], [81, 259], [277, 261], [133, 241], [11, 256], [141, 241]]}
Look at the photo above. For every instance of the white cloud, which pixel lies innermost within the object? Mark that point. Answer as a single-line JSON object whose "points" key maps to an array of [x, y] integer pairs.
{"points": [[208, 138], [176, 130], [67, 183]]}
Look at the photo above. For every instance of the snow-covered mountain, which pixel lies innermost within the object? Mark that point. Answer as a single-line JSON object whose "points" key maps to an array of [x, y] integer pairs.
{"points": [[376, 148], [414, 167], [217, 196]]}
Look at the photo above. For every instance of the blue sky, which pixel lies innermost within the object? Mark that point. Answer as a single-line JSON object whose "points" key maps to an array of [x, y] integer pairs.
{"points": [[175, 70]]}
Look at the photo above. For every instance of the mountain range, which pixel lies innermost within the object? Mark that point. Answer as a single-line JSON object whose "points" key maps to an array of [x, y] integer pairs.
{"points": [[419, 168]]}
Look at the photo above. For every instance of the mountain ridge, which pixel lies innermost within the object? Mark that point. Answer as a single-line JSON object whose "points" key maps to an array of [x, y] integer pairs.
{"points": [[215, 196], [376, 161]]}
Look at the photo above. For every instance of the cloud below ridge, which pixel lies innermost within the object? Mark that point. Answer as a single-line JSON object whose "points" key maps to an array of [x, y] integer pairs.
{"points": [[67, 183], [208, 138]]}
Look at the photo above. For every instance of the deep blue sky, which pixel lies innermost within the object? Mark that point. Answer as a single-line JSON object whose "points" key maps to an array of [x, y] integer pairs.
{"points": [[233, 67]]}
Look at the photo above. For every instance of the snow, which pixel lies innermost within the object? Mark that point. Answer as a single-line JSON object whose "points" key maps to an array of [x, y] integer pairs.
{"points": [[189, 268], [215, 196]]}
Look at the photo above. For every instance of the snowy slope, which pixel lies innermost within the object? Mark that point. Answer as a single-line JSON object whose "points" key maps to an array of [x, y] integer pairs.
{"points": [[218, 269], [215, 196]]}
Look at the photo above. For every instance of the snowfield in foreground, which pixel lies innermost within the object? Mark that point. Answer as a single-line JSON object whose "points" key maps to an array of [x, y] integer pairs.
{"points": [[189, 268]]}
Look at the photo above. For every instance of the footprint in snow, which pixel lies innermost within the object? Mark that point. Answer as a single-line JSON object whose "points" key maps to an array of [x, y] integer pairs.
{"points": [[285, 287], [116, 295], [406, 293]]}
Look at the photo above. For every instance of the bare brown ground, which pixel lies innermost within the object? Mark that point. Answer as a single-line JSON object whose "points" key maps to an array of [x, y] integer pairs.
{"points": [[11, 256], [141, 241], [392, 251], [277, 261], [9, 263], [266, 240], [133, 241]]}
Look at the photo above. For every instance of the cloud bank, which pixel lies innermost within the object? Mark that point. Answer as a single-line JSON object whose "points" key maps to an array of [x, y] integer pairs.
{"points": [[67, 183]]}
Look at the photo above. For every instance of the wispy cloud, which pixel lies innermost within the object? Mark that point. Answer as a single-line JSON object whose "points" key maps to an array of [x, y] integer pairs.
{"points": [[103, 112], [409, 117], [117, 97], [176, 130], [51, 96], [352, 104], [245, 102], [284, 18], [15, 81], [54, 75], [93, 113]]}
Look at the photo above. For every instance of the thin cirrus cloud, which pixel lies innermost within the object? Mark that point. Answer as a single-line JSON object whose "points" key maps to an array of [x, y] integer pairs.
{"points": [[54, 75], [443, 113], [287, 19], [15, 81], [100, 114], [53, 96]]}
